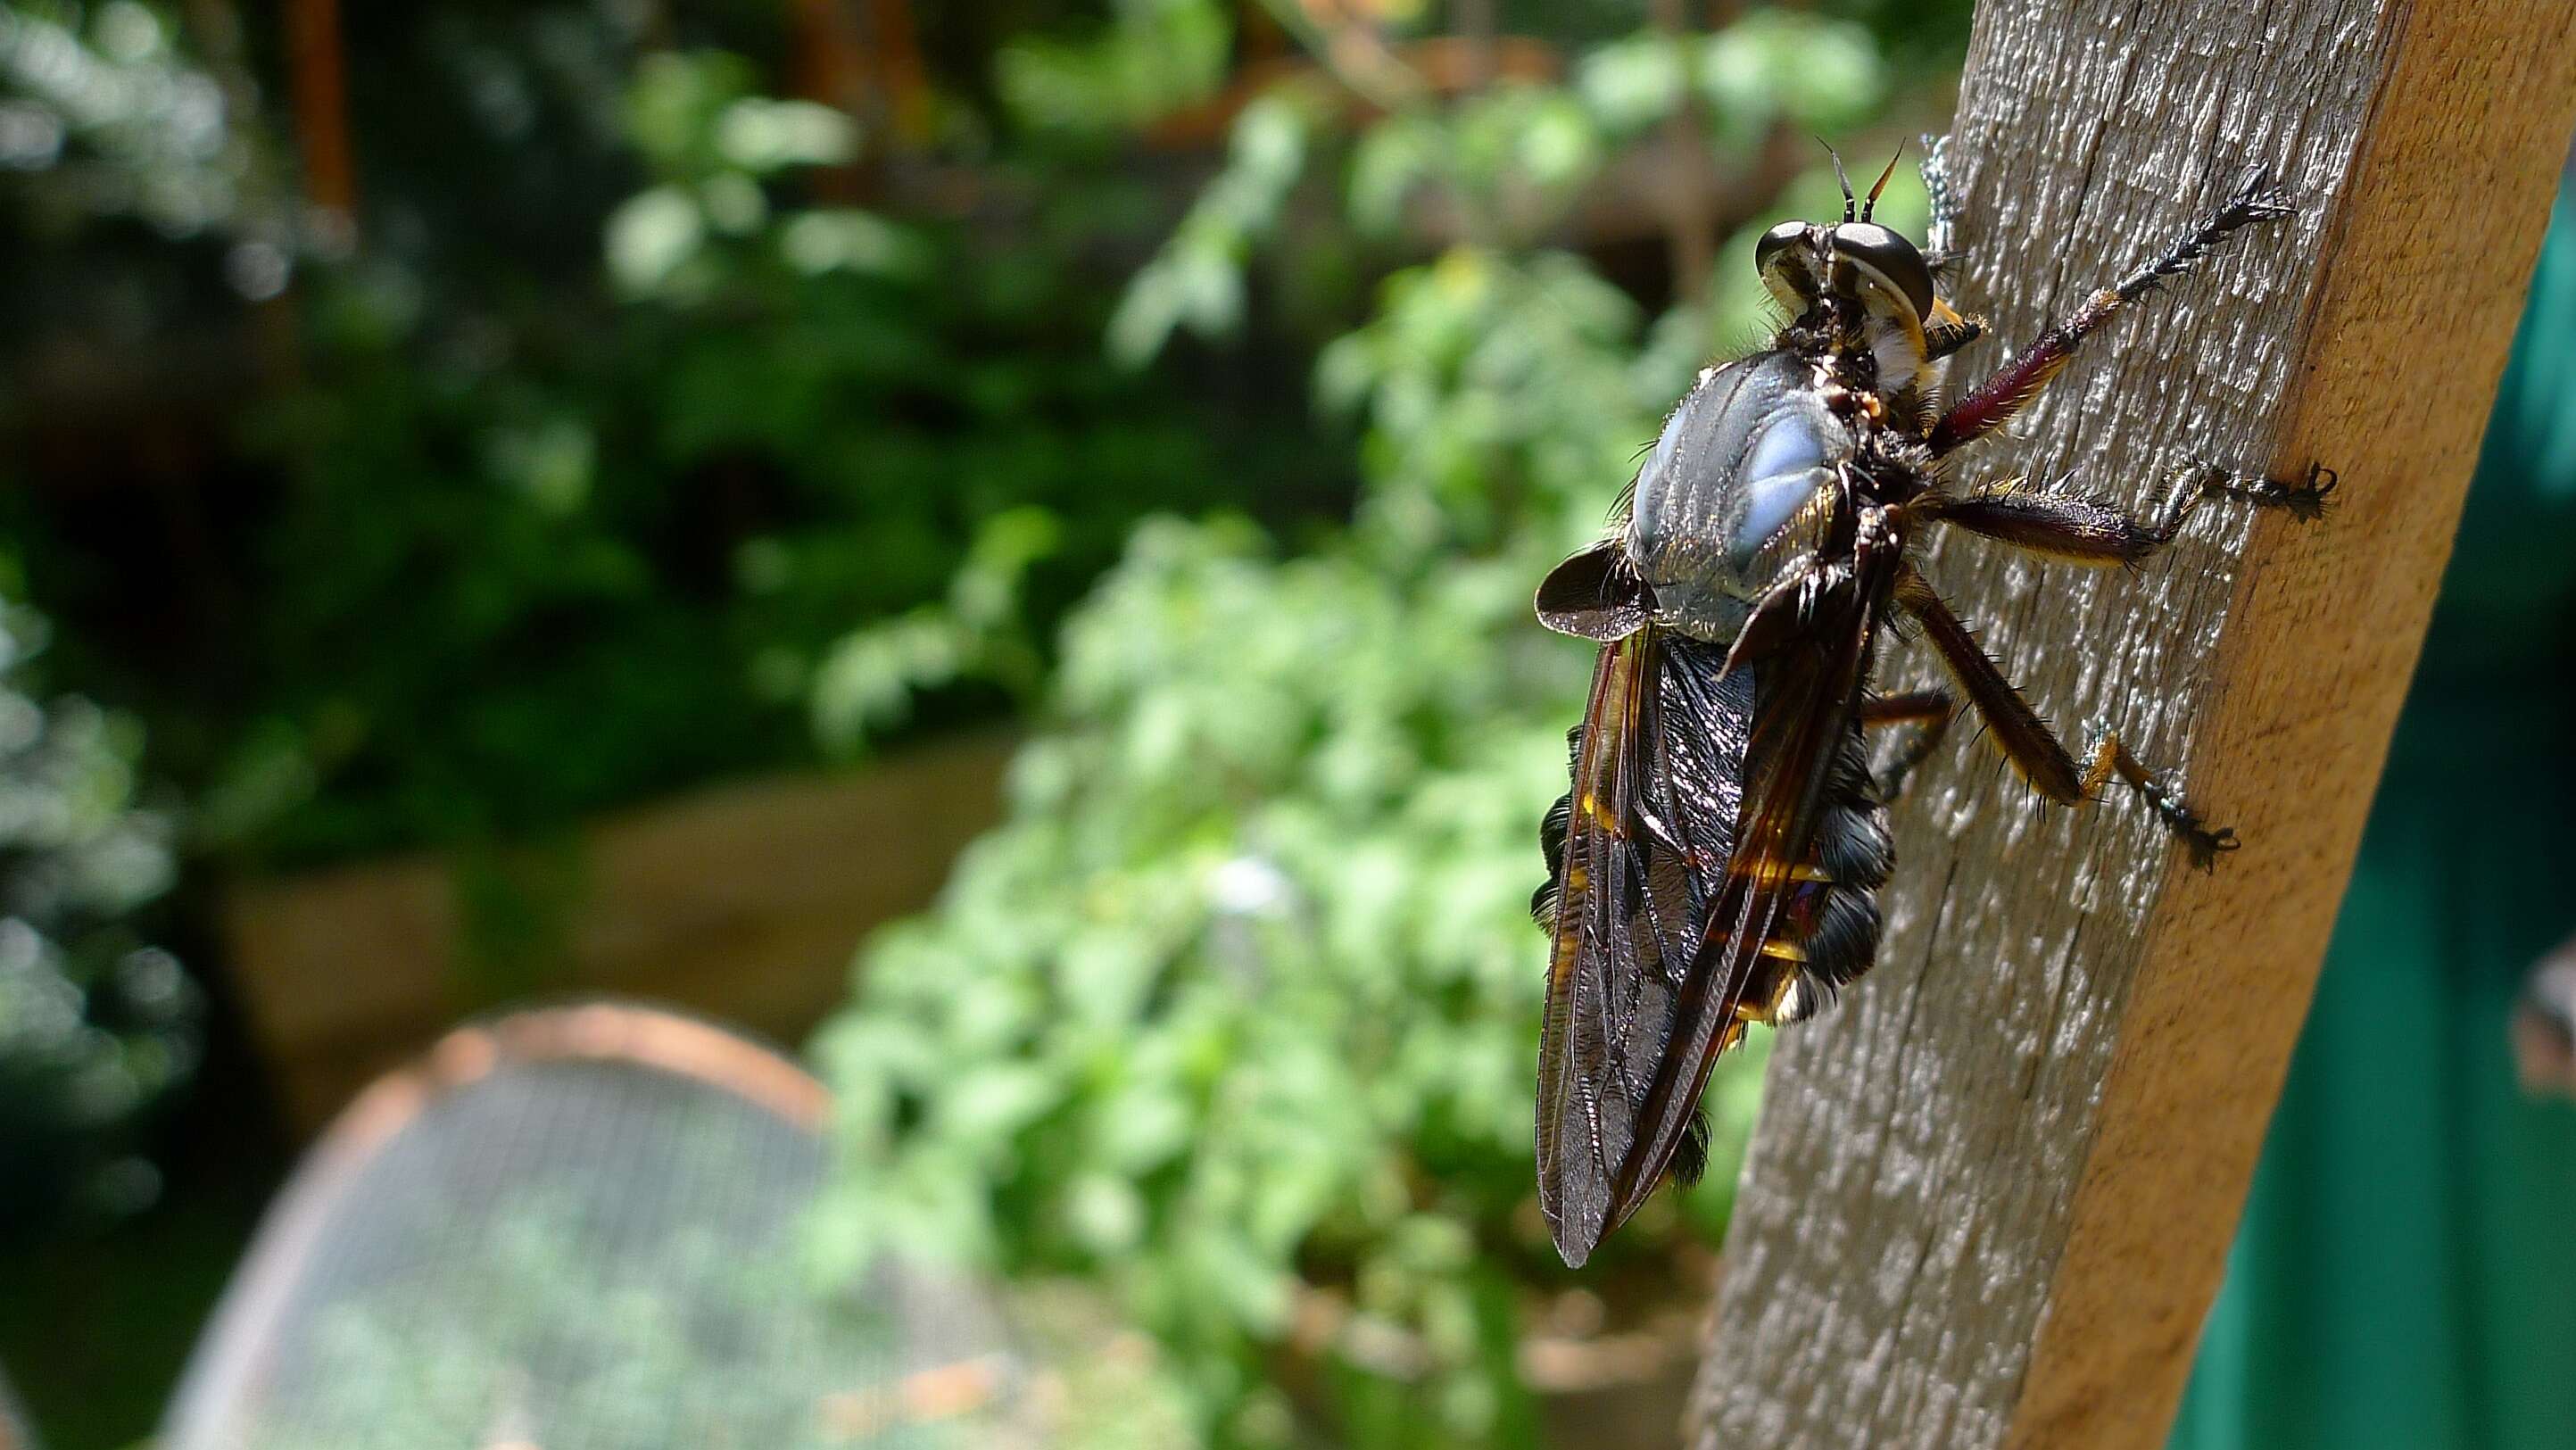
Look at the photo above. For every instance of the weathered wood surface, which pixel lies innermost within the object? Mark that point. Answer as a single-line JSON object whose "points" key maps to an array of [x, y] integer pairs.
{"points": [[1990, 1196]]}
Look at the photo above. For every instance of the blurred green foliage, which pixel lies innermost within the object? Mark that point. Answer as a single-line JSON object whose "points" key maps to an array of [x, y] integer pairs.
{"points": [[757, 476], [103, 117], [114, 148], [1151, 58], [653, 531], [616, 451], [1236, 1014], [95, 1021]]}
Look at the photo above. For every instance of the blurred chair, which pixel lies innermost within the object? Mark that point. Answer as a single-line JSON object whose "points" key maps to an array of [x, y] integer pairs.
{"points": [[580, 1226]]}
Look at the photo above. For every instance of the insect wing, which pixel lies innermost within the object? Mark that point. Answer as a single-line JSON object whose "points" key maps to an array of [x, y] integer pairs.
{"points": [[1657, 784], [1807, 689]]}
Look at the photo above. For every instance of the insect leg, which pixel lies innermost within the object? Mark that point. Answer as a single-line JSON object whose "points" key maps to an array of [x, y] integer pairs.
{"points": [[1913, 707], [2305, 499], [2071, 528], [2204, 841], [1948, 332], [2082, 531], [2001, 396], [1929, 711], [2026, 741]]}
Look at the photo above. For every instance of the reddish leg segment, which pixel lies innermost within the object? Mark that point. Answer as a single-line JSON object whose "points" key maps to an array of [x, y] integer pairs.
{"points": [[1999, 397], [2033, 749]]}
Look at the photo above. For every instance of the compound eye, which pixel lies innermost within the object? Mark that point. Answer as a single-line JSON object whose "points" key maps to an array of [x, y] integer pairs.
{"points": [[1773, 240], [1891, 257]]}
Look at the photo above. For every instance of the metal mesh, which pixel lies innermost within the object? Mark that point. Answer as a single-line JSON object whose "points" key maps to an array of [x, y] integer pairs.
{"points": [[579, 1229]]}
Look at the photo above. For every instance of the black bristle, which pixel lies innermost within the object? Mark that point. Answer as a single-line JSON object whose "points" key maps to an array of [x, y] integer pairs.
{"points": [[1551, 830], [1690, 1156], [1845, 940], [1854, 848], [1551, 844]]}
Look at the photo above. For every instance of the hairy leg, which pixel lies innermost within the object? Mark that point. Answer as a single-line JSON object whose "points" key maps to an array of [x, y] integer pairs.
{"points": [[1993, 402], [2026, 740], [1929, 711], [2083, 531]]}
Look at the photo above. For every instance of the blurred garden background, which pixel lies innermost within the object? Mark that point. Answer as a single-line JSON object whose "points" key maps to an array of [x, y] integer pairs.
{"points": [[989, 544]]}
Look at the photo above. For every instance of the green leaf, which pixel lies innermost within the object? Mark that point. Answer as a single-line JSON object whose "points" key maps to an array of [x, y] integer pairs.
{"points": [[652, 235], [762, 136], [1392, 160], [1632, 83]]}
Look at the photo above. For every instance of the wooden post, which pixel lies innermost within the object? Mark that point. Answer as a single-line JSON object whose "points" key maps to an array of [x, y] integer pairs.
{"points": [[898, 67], [1990, 1195], [322, 113]]}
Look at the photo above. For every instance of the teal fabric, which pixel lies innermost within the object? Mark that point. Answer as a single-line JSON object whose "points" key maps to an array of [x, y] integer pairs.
{"points": [[2405, 1276]]}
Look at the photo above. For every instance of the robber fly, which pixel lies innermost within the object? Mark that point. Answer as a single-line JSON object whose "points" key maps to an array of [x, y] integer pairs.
{"points": [[1716, 860]]}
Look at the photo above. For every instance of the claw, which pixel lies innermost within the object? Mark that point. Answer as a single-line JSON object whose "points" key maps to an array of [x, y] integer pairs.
{"points": [[2254, 200], [2306, 499]]}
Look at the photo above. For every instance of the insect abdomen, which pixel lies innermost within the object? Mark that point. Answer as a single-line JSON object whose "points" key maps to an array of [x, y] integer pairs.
{"points": [[1837, 917], [1834, 922]]}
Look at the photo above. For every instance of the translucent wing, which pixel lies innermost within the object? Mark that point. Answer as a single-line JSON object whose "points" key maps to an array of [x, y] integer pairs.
{"points": [[1696, 783], [1810, 687], [1640, 851]]}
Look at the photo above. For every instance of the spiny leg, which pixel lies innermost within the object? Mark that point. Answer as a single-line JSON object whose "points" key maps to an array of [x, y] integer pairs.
{"points": [[2025, 739], [2072, 528], [2004, 394], [2033, 749], [1948, 331], [1929, 711], [2204, 841], [2082, 531]]}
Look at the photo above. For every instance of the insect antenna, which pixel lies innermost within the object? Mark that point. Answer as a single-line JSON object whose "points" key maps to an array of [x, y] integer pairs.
{"points": [[1881, 185], [1849, 206]]}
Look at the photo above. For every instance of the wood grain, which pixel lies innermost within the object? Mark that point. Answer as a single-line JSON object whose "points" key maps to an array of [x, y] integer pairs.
{"points": [[1990, 1197]]}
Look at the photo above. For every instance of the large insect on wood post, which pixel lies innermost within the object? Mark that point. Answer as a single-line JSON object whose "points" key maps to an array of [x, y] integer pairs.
{"points": [[1990, 1195]]}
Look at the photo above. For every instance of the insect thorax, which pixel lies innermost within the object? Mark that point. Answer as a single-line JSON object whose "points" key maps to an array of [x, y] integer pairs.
{"points": [[1746, 484]]}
